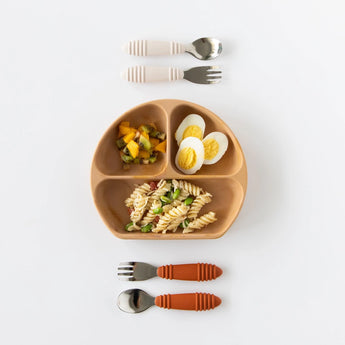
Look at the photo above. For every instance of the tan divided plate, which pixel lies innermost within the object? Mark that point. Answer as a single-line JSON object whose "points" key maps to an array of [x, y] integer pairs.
{"points": [[111, 185]]}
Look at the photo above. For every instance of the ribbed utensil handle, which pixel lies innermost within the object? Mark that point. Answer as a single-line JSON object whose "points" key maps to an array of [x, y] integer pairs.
{"points": [[188, 301], [146, 74], [150, 48], [198, 272]]}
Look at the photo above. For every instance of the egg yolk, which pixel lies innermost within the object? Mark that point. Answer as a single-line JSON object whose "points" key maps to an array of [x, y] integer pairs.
{"points": [[187, 158], [211, 148], [192, 131]]}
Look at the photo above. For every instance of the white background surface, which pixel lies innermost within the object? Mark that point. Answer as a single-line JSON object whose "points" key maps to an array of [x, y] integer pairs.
{"points": [[282, 95]]}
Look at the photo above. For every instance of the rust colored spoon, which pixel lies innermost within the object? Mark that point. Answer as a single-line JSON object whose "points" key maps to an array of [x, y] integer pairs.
{"points": [[136, 301]]}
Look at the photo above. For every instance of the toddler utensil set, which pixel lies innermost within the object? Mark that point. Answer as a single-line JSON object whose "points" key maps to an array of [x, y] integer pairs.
{"points": [[203, 49], [136, 300]]}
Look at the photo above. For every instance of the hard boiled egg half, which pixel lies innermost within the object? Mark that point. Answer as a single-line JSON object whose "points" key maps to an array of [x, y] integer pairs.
{"points": [[192, 126], [215, 144], [190, 156]]}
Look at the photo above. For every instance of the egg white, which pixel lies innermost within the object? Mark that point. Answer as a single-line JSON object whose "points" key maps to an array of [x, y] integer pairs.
{"points": [[198, 148], [190, 120], [223, 143]]}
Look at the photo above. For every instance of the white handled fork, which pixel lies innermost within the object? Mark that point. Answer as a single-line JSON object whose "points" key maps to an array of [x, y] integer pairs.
{"points": [[198, 75]]}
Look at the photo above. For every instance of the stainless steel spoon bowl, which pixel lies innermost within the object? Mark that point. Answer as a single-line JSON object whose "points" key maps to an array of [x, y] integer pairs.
{"points": [[135, 301], [205, 48]]}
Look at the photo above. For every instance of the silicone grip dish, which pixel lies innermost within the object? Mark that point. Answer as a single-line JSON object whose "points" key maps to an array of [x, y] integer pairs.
{"points": [[111, 184]]}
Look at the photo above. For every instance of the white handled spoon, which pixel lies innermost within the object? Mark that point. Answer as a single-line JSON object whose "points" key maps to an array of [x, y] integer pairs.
{"points": [[205, 48]]}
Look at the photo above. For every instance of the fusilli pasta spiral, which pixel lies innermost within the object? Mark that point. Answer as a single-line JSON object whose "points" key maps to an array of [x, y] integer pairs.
{"points": [[176, 212], [139, 207], [163, 187], [140, 190], [197, 204], [150, 216], [199, 223], [190, 188]]}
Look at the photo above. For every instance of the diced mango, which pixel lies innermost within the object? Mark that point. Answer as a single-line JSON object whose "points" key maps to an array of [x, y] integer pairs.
{"points": [[161, 147], [144, 154], [133, 148], [127, 138], [123, 130], [154, 142], [145, 135], [124, 123]]}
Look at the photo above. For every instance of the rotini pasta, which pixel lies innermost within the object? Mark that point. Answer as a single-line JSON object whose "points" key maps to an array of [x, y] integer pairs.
{"points": [[190, 188], [199, 223], [197, 204], [167, 206], [163, 188], [140, 190], [176, 212], [176, 203], [139, 208], [150, 215]]}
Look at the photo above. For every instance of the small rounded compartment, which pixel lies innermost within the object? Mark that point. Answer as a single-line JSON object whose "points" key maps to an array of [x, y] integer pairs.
{"points": [[228, 196], [232, 160], [107, 158]]}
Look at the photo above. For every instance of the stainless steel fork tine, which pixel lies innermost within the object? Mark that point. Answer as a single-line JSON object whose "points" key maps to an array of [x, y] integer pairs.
{"points": [[213, 81], [126, 279], [214, 77], [125, 274], [131, 263], [125, 268], [203, 74], [204, 68]]}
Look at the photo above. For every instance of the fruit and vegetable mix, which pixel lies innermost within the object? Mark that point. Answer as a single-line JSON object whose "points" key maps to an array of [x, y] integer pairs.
{"points": [[140, 145]]}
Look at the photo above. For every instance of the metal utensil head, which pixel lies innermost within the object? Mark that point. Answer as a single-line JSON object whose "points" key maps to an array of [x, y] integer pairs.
{"points": [[205, 48], [134, 301], [203, 75], [134, 271]]}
